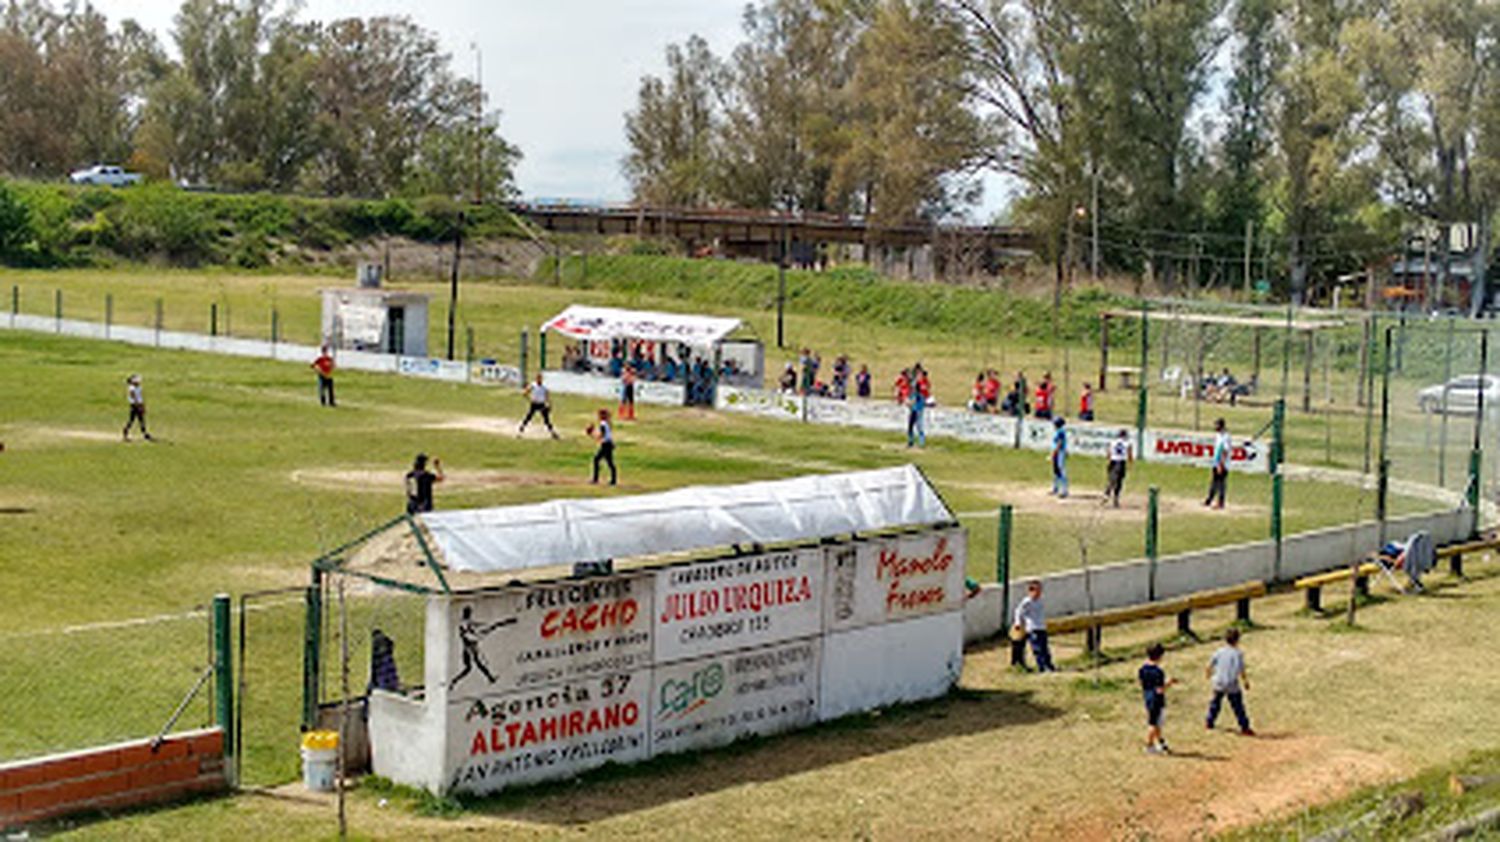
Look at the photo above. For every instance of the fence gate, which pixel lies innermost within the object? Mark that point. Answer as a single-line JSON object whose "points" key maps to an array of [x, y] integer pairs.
{"points": [[268, 704]]}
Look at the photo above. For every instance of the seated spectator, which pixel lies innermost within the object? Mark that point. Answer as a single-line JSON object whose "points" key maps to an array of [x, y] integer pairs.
{"points": [[788, 380], [977, 402], [991, 390]]}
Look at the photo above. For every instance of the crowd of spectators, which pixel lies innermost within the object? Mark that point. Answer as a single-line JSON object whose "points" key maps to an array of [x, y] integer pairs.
{"points": [[805, 377]]}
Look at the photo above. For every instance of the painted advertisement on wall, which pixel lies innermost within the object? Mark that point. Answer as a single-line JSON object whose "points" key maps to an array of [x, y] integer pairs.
{"points": [[735, 603], [1198, 449], [1083, 439], [538, 635], [499, 740], [715, 700], [882, 580]]}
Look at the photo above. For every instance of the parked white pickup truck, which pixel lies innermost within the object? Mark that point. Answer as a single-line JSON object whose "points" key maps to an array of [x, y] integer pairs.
{"points": [[104, 175]]}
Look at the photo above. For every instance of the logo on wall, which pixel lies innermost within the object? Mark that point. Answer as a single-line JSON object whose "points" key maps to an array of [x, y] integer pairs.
{"points": [[470, 633], [680, 698]]}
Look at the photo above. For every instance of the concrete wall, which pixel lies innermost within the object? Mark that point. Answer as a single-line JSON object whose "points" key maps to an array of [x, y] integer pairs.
{"points": [[1128, 583], [112, 777]]}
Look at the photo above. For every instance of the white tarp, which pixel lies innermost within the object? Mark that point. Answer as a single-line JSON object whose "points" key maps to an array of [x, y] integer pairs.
{"points": [[697, 517], [580, 322]]}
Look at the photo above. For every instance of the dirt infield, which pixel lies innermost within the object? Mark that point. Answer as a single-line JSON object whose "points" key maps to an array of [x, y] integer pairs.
{"points": [[1087, 501], [387, 481]]}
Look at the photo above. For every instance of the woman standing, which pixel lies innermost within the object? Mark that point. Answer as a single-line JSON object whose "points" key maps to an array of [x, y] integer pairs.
{"points": [[604, 434]]}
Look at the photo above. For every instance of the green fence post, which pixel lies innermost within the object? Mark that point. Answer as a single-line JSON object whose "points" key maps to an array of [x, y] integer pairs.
{"points": [[525, 341], [275, 326], [213, 319], [1476, 453], [1002, 574], [312, 642], [15, 299], [57, 308], [1153, 495], [541, 351], [224, 675], [1141, 401], [109, 312], [1276, 504], [158, 321], [1278, 429], [1383, 480]]}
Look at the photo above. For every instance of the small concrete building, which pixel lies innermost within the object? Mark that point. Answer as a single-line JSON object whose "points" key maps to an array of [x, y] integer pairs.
{"points": [[377, 320]]}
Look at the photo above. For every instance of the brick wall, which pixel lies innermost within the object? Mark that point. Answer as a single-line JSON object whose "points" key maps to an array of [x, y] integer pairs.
{"points": [[111, 777]]}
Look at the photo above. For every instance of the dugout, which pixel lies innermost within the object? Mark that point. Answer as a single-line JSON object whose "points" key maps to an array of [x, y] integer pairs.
{"points": [[665, 344], [564, 635], [1192, 344]]}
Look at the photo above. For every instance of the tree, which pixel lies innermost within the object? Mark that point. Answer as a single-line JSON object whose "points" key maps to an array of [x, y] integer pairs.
{"points": [[672, 132]]}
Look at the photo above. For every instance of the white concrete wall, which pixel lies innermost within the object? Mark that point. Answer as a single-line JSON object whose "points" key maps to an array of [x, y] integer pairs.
{"points": [[1127, 583], [407, 737]]}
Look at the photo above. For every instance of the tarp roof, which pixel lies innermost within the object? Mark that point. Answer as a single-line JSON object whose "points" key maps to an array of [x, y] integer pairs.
{"points": [[562, 532], [581, 322]]}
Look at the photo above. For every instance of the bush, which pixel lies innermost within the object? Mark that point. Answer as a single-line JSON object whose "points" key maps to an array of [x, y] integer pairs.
{"points": [[15, 225]]}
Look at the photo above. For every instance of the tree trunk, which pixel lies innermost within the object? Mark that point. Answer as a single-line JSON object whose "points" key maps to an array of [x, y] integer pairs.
{"points": [[1479, 289]]}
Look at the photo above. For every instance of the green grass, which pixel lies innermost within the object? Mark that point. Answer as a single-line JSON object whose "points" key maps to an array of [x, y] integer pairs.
{"points": [[250, 480]]}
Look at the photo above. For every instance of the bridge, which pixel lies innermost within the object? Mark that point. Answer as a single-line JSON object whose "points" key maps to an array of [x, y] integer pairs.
{"points": [[767, 234]]}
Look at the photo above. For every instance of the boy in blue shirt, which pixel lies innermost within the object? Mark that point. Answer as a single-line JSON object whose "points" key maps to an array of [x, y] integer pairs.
{"points": [[1154, 684], [1059, 458]]}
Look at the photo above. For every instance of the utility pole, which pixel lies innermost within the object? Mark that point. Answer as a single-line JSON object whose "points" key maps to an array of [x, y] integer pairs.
{"points": [[458, 247], [781, 288], [1249, 240]]}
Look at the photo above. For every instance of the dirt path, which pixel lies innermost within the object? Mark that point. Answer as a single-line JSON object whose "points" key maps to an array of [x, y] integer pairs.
{"points": [[1089, 502]]}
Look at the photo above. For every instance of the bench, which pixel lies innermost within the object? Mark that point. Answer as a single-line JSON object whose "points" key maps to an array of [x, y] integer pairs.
{"points": [[1314, 584], [1126, 372], [1183, 606], [1455, 552]]}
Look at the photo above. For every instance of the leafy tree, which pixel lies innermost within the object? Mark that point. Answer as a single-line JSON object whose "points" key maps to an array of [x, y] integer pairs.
{"points": [[672, 132]]}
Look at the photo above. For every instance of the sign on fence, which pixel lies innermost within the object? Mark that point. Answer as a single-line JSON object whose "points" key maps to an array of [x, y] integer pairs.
{"points": [[887, 579], [715, 606], [711, 701]]}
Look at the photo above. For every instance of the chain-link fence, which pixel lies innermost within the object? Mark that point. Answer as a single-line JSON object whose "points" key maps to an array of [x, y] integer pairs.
{"points": [[101, 683]]}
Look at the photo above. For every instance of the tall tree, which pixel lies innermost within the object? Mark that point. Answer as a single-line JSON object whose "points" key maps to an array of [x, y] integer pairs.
{"points": [[672, 132]]}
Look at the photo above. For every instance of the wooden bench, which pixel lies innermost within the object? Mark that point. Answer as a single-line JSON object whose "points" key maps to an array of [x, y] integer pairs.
{"points": [[1183, 606], [1126, 372], [1455, 552], [1314, 584]]}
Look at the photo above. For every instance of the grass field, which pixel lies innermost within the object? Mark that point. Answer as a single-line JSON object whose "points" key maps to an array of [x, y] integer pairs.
{"points": [[251, 479], [1341, 713]]}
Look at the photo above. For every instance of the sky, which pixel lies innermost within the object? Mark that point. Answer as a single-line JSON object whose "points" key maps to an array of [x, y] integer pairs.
{"points": [[562, 72]]}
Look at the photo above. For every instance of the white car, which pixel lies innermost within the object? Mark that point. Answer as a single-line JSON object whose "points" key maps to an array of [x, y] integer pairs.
{"points": [[105, 175], [1460, 396]]}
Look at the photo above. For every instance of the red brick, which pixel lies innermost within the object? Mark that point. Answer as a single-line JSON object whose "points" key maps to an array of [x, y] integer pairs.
{"points": [[209, 743], [157, 774], [41, 798], [10, 803], [99, 761]]}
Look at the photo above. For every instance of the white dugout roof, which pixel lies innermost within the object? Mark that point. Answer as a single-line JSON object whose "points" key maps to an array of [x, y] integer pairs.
{"points": [[559, 532], [580, 322]]}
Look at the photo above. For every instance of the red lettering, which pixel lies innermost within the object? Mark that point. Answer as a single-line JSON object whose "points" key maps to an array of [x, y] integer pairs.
{"points": [[612, 716], [528, 734], [594, 723], [632, 713], [477, 747], [511, 730], [549, 625], [549, 729], [575, 723]]}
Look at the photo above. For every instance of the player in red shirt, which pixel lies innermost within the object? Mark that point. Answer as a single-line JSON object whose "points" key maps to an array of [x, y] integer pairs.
{"points": [[1086, 403], [1044, 393], [323, 365]]}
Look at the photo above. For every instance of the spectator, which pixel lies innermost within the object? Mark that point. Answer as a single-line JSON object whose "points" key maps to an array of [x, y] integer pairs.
{"points": [[1154, 684], [862, 382], [1226, 673], [977, 402], [1086, 403], [902, 387], [627, 397], [991, 390], [788, 380], [1044, 392]]}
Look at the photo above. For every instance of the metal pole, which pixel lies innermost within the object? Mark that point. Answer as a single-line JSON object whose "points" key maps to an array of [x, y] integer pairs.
{"points": [[1153, 495], [458, 248], [1002, 568], [1443, 422], [1141, 406], [109, 312], [525, 341], [158, 321], [213, 319], [781, 290], [224, 674], [312, 650], [1383, 481], [541, 348], [275, 326], [1249, 239], [1477, 453], [57, 307], [15, 301], [1277, 498]]}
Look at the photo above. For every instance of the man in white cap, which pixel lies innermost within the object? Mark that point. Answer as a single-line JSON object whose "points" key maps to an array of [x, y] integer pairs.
{"points": [[137, 406]]}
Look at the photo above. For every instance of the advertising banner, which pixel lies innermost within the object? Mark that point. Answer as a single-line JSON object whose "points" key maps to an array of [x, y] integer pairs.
{"points": [[715, 700], [534, 636], [493, 372], [433, 368], [879, 665], [971, 426], [870, 415], [1198, 449], [757, 402], [886, 579], [716, 606], [1084, 439], [500, 740]]}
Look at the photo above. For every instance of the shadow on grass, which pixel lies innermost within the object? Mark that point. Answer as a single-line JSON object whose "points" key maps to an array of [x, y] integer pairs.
{"points": [[619, 789]]}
